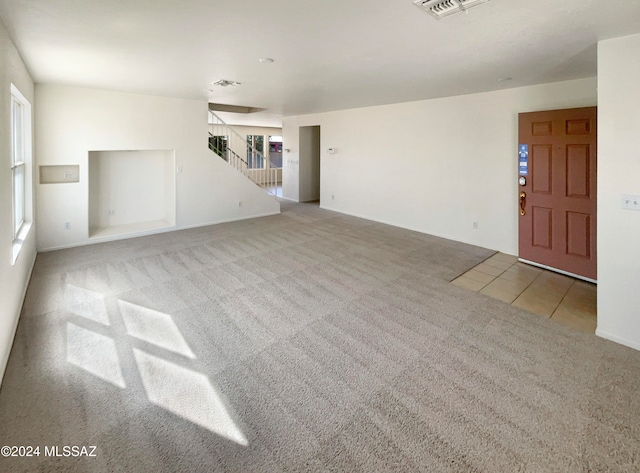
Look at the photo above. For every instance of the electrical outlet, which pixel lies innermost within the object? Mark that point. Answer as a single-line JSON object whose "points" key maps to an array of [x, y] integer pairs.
{"points": [[475, 225], [239, 203], [631, 202], [112, 212], [67, 225], [333, 197]]}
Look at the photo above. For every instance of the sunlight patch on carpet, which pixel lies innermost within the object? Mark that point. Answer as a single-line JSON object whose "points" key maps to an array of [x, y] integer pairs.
{"points": [[94, 353], [154, 327], [88, 304], [187, 394]]}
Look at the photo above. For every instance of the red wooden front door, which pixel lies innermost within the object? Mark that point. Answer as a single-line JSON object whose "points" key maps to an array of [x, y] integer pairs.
{"points": [[557, 204]]}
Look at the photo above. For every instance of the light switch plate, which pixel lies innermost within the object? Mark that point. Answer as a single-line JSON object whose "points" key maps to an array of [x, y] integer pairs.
{"points": [[631, 202]]}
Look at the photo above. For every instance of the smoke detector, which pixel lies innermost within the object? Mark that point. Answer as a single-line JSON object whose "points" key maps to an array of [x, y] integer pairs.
{"points": [[442, 8], [226, 83]]}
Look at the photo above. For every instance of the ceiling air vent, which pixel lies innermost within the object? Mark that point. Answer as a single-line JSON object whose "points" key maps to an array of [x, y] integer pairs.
{"points": [[226, 83], [442, 8]]}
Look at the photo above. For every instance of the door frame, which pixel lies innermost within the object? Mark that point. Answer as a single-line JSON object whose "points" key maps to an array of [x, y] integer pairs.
{"points": [[529, 176]]}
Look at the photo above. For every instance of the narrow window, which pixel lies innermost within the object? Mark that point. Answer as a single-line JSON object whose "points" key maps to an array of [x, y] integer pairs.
{"points": [[275, 150], [20, 168], [17, 164], [255, 151]]}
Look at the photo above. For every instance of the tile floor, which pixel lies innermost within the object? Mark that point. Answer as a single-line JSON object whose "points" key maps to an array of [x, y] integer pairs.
{"points": [[569, 301], [276, 190]]}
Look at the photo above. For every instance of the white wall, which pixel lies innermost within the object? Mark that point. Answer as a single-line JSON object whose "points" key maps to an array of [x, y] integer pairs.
{"points": [[73, 121], [291, 159], [434, 166], [618, 173], [13, 278]]}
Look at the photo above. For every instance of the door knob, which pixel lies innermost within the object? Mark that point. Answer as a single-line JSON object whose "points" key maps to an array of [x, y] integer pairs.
{"points": [[523, 203]]}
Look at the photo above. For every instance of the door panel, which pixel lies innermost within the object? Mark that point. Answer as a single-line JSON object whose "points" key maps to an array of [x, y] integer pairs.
{"points": [[541, 128], [558, 228], [542, 230], [578, 234], [578, 172], [541, 169], [578, 127]]}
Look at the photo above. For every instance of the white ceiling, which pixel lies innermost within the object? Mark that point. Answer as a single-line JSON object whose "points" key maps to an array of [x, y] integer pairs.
{"points": [[329, 54]]}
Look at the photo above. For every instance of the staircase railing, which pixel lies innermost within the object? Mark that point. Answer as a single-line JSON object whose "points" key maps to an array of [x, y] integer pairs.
{"points": [[228, 143]]}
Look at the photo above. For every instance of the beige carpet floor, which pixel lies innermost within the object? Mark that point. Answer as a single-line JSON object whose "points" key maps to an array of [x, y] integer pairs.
{"points": [[308, 341]]}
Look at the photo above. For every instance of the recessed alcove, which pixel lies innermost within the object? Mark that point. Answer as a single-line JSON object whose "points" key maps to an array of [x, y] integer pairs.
{"points": [[60, 174], [131, 192]]}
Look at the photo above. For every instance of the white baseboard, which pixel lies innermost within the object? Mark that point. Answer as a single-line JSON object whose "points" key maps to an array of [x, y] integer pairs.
{"points": [[5, 361], [617, 339], [413, 229], [176, 228], [287, 199], [198, 225]]}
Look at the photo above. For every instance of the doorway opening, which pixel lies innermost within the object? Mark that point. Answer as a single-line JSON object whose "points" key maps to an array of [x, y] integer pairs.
{"points": [[557, 198], [557, 190], [309, 190]]}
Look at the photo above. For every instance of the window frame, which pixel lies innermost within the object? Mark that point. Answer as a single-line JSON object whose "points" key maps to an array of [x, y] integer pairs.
{"points": [[18, 163], [252, 158], [279, 149], [21, 160]]}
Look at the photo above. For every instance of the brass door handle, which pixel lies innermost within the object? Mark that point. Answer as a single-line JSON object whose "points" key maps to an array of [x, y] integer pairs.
{"points": [[523, 203]]}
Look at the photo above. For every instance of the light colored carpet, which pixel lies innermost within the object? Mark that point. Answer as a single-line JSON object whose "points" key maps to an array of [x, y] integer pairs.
{"points": [[308, 341]]}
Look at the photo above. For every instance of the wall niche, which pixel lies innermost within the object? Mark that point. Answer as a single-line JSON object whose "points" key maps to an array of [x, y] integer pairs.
{"points": [[131, 191]]}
